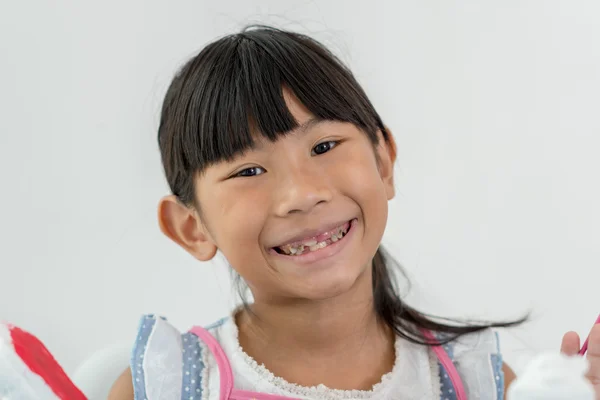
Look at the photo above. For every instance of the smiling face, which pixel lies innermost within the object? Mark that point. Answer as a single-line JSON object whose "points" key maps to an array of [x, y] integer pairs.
{"points": [[319, 192], [275, 156]]}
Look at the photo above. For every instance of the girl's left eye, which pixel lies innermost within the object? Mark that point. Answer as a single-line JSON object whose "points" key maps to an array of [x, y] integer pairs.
{"points": [[324, 147], [252, 171]]}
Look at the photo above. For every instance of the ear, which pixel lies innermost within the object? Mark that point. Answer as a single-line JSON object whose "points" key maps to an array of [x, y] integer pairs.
{"points": [[183, 225], [387, 156]]}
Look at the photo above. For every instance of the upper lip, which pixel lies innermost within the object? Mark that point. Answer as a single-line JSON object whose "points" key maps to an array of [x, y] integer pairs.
{"points": [[308, 233]]}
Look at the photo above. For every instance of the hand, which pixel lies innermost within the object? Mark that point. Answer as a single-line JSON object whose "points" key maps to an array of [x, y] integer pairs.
{"points": [[571, 345]]}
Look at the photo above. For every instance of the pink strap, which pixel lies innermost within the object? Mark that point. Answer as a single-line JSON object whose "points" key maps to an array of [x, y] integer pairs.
{"points": [[247, 395], [227, 391], [448, 365], [226, 384]]}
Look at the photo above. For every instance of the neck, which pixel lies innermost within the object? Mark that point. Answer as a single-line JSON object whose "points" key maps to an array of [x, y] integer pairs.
{"points": [[319, 325], [325, 334]]}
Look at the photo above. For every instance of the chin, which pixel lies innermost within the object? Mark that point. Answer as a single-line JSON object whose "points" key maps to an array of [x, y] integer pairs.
{"points": [[337, 285]]}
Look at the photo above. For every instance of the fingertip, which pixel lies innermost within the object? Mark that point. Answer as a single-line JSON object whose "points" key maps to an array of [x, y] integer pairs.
{"points": [[570, 343], [571, 335]]}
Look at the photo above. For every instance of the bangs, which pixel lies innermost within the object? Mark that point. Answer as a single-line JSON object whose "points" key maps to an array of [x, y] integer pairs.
{"points": [[232, 91]]}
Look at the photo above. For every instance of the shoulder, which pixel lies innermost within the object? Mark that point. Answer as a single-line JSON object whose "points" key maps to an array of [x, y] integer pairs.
{"points": [[478, 358], [122, 389], [509, 376]]}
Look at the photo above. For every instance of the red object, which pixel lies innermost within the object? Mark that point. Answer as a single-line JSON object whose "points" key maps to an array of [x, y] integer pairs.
{"points": [[39, 361]]}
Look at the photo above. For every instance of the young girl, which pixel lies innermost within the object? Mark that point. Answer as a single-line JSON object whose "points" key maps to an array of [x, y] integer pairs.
{"points": [[276, 157]]}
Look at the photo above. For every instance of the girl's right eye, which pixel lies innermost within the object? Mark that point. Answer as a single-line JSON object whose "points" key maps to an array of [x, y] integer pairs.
{"points": [[252, 171]]}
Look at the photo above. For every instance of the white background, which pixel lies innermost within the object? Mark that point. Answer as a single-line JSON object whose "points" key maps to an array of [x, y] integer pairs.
{"points": [[495, 107]]}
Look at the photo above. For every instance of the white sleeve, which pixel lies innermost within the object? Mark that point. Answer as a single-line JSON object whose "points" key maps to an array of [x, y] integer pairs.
{"points": [[157, 359], [479, 362]]}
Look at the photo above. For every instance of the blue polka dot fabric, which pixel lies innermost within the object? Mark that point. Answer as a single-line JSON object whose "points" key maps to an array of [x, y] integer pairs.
{"points": [[499, 374], [497, 362], [137, 355], [192, 365], [446, 387]]}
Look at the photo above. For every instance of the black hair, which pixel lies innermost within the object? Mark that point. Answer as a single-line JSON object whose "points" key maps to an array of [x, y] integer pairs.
{"points": [[234, 88]]}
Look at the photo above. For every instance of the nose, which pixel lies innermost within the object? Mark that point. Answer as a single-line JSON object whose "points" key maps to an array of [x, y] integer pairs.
{"points": [[301, 189]]}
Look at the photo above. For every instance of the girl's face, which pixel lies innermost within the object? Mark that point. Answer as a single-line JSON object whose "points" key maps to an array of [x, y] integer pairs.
{"points": [[303, 216]]}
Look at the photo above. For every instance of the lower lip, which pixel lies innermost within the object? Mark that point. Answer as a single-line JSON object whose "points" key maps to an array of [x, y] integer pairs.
{"points": [[321, 254]]}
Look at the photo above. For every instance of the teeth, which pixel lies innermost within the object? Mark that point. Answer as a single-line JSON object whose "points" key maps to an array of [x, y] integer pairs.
{"points": [[313, 245], [318, 246]]}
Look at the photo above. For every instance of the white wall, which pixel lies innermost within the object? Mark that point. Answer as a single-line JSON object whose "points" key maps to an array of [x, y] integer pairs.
{"points": [[494, 106]]}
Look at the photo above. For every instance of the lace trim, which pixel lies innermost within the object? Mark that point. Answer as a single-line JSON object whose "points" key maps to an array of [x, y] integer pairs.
{"points": [[311, 391]]}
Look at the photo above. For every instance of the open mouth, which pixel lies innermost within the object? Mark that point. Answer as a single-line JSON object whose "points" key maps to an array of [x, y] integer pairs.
{"points": [[314, 243]]}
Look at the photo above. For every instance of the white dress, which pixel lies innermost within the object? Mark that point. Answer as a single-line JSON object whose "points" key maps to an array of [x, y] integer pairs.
{"points": [[160, 351]]}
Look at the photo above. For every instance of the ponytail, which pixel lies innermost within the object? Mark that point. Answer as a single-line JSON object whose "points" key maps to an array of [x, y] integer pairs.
{"points": [[409, 323]]}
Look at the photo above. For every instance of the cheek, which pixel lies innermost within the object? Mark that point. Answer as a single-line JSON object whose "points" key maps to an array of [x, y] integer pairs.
{"points": [[361, 181], [239, 234], [360, 177], [236, 222]]}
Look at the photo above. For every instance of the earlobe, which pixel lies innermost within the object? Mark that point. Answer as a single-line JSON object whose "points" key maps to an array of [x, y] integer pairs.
{"points": [[182, 225]]}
